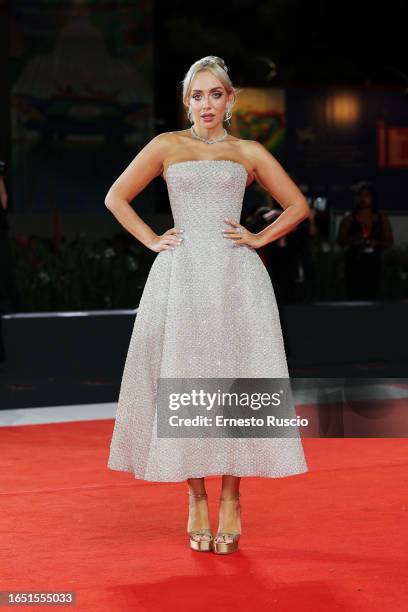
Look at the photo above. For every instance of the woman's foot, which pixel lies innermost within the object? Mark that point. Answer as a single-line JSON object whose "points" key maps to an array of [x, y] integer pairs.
{"points": [[229, 526], [198, 526]]}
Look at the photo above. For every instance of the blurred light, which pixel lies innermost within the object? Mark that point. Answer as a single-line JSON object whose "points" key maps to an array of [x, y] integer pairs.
{"points": [[342, 109]]}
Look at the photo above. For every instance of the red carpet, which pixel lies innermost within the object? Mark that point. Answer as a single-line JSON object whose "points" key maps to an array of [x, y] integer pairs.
{"points": [[335, 538]]}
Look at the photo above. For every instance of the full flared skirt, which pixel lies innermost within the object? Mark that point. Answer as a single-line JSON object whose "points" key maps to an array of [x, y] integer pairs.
{"points": [[202, 314]]}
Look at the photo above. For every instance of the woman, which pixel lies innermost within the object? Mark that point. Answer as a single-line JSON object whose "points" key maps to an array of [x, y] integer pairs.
{"points": [[208, 308], [366, 232]]}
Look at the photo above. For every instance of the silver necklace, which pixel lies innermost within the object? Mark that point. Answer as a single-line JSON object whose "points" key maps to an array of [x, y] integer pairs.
{"points": [[195, 135]]}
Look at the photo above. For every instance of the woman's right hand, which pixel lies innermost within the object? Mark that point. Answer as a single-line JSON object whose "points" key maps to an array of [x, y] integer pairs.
{"points": [[167, 241]]}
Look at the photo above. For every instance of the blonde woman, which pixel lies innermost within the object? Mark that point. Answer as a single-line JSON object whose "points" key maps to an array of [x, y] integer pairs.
{"points": [[208, 308]]}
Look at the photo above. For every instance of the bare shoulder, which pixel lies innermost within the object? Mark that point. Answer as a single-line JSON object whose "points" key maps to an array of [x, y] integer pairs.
{"points": [[161, 140], [256, 154], [256, 149], [168, 140], [176, 134], [169, 135], [160, 147]]}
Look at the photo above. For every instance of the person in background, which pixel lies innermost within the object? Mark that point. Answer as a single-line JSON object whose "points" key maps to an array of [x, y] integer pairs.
{"points": [[288, 259], [365, 232], [278, 260], [9, 295], [277, 255], [300, 241]]}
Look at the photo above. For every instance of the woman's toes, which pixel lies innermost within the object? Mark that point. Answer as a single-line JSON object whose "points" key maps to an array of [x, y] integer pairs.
{"points": [[198, 537]]}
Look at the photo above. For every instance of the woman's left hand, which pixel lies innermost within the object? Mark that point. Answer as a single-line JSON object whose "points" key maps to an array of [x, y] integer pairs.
{"points": [[240, 235]]}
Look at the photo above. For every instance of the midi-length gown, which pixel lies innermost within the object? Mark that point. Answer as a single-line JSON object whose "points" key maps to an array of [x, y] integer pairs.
{"points": [[208, 309]]}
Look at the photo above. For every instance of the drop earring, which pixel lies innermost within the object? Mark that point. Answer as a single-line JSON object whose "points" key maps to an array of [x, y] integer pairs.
{"points": [[228, 115]]}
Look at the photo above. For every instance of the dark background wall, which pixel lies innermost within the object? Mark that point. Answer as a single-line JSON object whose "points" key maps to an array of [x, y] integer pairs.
{"points": [[309, 42]]}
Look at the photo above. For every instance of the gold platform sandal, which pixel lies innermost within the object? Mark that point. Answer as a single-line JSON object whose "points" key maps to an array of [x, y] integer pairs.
{"points": [[221, 545], [196, 535]]}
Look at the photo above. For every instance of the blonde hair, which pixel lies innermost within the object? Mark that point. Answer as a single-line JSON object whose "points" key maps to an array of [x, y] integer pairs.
{"points": [[217, 66]]}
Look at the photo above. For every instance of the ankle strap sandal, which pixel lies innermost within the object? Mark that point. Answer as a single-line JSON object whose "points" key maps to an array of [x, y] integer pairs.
{"points": [[196, 535], [221, 546]]}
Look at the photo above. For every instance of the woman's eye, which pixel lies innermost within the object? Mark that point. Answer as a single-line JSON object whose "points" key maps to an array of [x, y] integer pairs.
{"points": [[217, 94]]}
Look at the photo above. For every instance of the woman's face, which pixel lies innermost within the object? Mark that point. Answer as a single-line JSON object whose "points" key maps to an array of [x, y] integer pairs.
{"points": [[209, 97], [365, 199]]}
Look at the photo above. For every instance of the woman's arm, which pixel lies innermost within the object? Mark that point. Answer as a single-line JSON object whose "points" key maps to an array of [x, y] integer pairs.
{"points": [[147, 164], [272, 177]]}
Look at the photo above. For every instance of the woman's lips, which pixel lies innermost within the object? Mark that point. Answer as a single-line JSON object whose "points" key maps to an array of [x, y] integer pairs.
{"points": [[207, 117]]}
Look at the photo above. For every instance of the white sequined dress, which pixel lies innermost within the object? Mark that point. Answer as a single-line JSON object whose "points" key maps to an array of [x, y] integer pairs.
{"points": [[208, 309]]}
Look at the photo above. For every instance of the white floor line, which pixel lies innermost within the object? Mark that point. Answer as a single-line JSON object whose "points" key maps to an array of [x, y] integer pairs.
{"points": [[57, 414]]}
